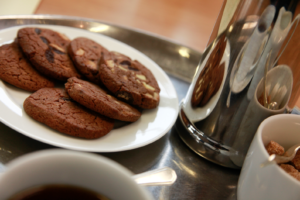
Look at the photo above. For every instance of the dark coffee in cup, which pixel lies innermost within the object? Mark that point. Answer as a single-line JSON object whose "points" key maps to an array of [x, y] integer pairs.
{"points": [[58, 192]]}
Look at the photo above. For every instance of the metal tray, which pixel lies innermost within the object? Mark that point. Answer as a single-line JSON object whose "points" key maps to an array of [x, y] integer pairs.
{"points": [[197, 177]]}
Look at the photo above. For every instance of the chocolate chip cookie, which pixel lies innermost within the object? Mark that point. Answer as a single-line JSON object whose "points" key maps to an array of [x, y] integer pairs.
{"points": [[97, 99], [16, 69], [53, 107], [129, 80], [86, 55], [47, 51]]}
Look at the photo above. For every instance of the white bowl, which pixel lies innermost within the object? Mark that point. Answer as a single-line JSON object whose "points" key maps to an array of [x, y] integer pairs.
{"points": [[270, 182], [85, 170]]}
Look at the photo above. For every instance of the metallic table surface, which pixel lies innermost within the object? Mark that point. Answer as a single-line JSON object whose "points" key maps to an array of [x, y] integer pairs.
{"points": [[197, 177]]}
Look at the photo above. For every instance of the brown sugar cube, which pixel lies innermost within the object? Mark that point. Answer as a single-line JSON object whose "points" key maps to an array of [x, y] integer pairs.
{"points": [[296, 160], [274, 148], [291, 170]]}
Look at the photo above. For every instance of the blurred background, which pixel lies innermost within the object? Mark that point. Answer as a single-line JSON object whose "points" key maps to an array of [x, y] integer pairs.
{"points": [[187, 22]]}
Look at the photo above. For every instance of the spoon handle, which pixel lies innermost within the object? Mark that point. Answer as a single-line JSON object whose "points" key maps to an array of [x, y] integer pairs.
{"points": [[266, 102], [162, 176]]}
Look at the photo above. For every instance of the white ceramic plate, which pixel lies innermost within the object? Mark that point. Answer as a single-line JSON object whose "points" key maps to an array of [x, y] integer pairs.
{"points": [[152, 125]]}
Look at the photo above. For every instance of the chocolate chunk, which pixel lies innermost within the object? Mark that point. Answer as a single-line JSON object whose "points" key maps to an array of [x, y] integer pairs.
{"points": [[128, 64], [44, 40], [125, 95], [38, 31], [57, 51], [133, 69], [49, 55], [125, 62]]}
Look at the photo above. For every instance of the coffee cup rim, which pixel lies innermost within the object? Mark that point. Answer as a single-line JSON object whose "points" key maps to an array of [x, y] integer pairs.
{"points": [[103, 162]]}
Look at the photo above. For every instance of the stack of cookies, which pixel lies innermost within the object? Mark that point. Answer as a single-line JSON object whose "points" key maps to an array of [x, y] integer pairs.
{"points": [[101, 86]]}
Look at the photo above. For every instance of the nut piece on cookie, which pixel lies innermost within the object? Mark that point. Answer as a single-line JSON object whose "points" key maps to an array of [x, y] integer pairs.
{"points": [[47, 51], [275, 148], [97, 99], [139, 88]]}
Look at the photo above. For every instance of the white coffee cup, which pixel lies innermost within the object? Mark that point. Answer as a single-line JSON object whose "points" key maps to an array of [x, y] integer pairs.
{"points": [[270, 182], [86, 170]]}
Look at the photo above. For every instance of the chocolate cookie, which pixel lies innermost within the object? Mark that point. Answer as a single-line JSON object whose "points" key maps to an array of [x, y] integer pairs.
{"points": [[129, 80], [86, 55], [97, 99], [16, 70], [47, 51], [53, 107]]}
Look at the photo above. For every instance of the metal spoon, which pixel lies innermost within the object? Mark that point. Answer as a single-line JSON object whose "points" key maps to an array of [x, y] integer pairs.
{"points": [[273, 105], [289, 155], [265, 95], [162, 176]]}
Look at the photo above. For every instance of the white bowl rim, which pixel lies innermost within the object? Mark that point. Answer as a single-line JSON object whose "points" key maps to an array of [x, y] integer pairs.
{"points": [[42, 154], [261, 144]]}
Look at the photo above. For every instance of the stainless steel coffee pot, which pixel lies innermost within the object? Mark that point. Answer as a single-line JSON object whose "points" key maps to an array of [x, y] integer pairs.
{"points": [[249, 71]]}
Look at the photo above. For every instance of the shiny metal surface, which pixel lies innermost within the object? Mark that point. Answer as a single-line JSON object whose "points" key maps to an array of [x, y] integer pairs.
{"points": [[197, 178], [222, 111], [210, 134]]}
